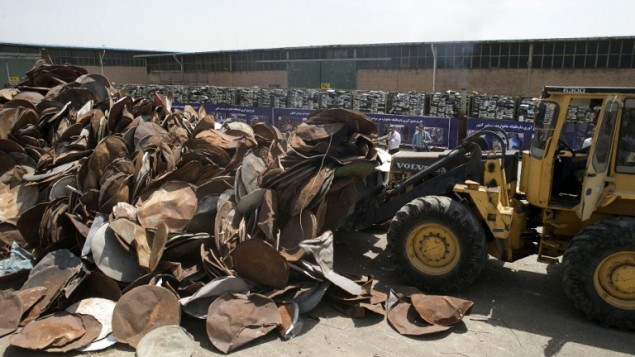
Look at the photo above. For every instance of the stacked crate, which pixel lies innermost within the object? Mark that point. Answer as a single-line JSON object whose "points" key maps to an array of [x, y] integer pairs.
{"points": [[248, 97], [222, 95], [335, 98], [304, 98], [406, 103], [179, 93], [273, 98], [580, 114], [494, 107], [526, 110], [370, 101], [134, 90], [445, 105], [200, 94]]}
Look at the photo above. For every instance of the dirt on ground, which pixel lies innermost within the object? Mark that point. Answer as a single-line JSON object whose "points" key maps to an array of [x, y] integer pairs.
{"points": [[520, 310]]}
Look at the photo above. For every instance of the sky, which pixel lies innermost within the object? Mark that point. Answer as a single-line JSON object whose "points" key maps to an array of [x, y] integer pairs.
{"points": [[218, 25]]}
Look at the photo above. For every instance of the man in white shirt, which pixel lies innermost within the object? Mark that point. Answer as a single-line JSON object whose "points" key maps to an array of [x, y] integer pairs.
{"points": [[394, 140]]}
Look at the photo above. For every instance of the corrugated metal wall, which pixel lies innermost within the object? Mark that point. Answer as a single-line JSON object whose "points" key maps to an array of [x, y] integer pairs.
{"points": [[13, 70], [303, 74], [316, 74]]}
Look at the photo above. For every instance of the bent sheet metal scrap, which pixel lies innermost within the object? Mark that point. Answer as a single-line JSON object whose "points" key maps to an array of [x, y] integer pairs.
{"points": [[127, 199]]}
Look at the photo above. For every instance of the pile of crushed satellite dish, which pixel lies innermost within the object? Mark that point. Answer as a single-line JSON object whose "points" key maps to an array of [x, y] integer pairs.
{"points": [[119, 214]]}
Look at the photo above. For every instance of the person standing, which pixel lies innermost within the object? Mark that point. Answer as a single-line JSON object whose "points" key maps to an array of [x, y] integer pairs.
{"points": [[421, 139], [394, 140]]}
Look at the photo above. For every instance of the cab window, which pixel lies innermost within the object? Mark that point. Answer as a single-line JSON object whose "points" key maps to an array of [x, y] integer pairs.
{"points": [[603, 144], [626, 142], [544, 123]]}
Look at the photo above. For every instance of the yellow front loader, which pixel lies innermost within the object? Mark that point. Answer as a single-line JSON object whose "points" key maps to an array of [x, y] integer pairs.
{"points": [[574, 203]]}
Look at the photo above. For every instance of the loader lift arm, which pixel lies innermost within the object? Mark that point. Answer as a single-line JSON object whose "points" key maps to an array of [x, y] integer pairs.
{"points": [[462, 164]]}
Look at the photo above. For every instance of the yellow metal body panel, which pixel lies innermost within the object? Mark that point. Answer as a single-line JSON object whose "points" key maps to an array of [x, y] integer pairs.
{"points": [[561, 223], [538, 187], [494, 206], [622, 198], [487, 202], [624, 185], [519, 224], [525, 169], [622, 206]]}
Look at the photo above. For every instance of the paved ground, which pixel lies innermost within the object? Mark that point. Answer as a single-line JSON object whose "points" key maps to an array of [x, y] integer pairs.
{"points": [[520, 310]]}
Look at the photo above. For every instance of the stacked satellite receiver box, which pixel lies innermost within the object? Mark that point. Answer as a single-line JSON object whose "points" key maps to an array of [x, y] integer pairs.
{"points": [[526, 110], [304, 98], [370, 101], [494, 107], [580, 114], [274, 98], [406, 103], [445, 104], [134, 90], [199, 94], [222, 95], [178, 92], [248, 97], [335, 98]]}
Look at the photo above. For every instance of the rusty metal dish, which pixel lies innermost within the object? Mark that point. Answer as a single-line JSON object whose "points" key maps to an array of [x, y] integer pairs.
{"points": [[441, 310], [404, 318], [259, 262], [11, 307], [234, 320], [61, 332], [166, 341], [143, 309], [101, 309], [111, 258], [173, 204]]}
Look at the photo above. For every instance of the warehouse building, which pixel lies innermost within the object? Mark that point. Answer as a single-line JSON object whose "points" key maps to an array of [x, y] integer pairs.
{"points": [[516, 68]]}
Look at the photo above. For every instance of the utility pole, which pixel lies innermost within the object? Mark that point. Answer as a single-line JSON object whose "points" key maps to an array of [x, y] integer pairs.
{"points": [[434, 68], [529, 70], [101, 60]]}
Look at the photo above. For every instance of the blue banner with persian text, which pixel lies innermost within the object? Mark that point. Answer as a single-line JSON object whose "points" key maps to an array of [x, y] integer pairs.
{"points": [[249, 115], [519, 133], [439, 128], [287, 120], [444, 131]]}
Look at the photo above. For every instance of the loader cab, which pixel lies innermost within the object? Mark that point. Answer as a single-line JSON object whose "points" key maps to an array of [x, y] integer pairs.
{"points": [[580, 149]]}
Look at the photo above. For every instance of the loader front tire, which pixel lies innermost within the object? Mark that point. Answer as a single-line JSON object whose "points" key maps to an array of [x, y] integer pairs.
{"points": [[598, 272], [439, 244]]}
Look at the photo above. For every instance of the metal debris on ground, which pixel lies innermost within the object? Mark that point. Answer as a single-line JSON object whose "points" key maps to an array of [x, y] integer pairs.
{"points": [[134, 212], [413, 313], [166, 341]]}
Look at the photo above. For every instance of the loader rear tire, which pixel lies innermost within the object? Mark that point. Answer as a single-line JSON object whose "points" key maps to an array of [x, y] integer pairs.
{"points": [[439, 244], [598, 272]]}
